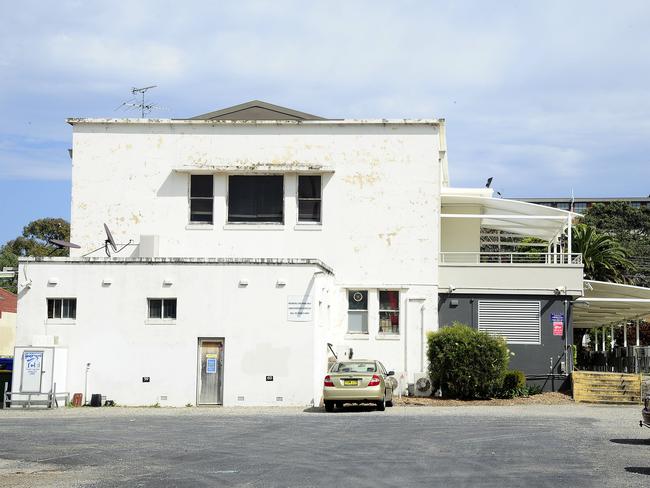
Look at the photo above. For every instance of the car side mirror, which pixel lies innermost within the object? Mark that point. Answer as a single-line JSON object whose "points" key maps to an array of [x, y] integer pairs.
{"points": [[391, 373]]}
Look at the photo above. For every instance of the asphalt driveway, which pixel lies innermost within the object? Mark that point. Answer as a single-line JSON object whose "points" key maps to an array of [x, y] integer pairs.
{"points": [[533, 446]]}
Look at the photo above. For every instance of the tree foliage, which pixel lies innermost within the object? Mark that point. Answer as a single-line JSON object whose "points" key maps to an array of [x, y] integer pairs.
{"points": [[630, 226], [603, 257], [34, 242]]}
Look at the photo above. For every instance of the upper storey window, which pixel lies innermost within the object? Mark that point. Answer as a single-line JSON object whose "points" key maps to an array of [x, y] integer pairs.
{"points": [[309, 199], [256, 199], [201, 199]]}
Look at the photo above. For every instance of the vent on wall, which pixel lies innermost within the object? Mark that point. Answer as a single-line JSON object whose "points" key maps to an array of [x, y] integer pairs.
{"points": [[519, 322]]}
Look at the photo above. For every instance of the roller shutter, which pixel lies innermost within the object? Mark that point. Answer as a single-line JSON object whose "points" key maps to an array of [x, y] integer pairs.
{"points": [[519, 322]]}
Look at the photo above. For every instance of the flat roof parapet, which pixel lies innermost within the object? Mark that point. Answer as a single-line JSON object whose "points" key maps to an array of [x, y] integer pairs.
{"points": [[181, 260]]}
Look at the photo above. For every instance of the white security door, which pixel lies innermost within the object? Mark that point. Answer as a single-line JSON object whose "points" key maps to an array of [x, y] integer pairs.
{"points": [[32, 372]]}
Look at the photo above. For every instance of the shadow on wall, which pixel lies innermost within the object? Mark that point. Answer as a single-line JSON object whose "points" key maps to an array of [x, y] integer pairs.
{"points": [[175, 185]]}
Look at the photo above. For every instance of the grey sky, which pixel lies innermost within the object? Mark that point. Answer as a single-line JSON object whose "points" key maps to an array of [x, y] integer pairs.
{"points": [[544, 96]]}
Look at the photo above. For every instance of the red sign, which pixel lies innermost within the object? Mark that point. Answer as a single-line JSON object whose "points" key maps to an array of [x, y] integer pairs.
{"points": [[558, 328]]}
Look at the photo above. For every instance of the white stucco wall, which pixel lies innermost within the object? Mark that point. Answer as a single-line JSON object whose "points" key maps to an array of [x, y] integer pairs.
{"points": [[111, 330], [381, 192]]}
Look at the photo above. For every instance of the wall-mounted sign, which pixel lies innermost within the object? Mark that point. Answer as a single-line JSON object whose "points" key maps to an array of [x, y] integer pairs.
{"points": [[32, 370], [211, 365], [146, 379], [299, 308], [557, 319], [269, 378]]}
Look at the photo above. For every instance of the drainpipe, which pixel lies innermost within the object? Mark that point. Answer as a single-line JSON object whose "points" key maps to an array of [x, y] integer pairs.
{"points": [[569, 357]]}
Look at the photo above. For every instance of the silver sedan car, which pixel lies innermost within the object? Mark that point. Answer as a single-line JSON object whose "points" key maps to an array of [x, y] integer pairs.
{"points": [[358, 381]]}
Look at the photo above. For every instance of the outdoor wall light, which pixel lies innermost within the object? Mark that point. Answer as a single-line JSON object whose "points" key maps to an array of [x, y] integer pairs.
{"points": [[53, 281], [107, 281], [280, 283], [243, 283], [168, 282]]}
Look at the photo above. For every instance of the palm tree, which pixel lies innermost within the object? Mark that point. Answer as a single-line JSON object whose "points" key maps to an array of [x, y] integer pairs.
{"points": [[603, 257]]}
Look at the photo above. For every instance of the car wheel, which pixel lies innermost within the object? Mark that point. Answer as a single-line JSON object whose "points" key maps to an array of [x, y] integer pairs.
{"points": [[338, 405], [389, 403], [381, 405], [329, 406]]}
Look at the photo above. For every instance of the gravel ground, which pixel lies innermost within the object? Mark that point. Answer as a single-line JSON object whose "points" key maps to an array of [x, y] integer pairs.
{"points": [[550, 398], [483, 445]]}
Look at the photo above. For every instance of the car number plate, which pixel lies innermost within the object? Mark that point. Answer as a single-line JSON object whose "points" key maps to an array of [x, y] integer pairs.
{"points": [[350, 382]]}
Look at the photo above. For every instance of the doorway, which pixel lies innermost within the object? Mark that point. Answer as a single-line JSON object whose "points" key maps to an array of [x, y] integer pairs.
{"points": [[210, 372]]}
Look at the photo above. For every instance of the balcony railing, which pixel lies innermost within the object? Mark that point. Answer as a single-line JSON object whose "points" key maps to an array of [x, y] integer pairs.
{"points": [[510, 258]]}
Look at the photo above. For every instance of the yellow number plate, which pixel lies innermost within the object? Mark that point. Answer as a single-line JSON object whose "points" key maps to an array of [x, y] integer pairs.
{"points": [[350, 382]]}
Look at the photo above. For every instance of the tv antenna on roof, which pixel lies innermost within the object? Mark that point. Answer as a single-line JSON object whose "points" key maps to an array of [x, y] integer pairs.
{"points": [[136, 103]]}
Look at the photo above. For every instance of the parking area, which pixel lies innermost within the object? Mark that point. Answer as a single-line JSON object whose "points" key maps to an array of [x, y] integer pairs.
{"points": [[533, 445]]}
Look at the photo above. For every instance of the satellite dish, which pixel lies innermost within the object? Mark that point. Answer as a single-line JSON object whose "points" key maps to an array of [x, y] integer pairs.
{"points": [[109, 240], [64, 244]]}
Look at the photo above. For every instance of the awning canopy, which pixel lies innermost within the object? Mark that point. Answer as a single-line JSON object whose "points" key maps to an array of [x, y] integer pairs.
{"points": [[512, 216], [610, 303]]}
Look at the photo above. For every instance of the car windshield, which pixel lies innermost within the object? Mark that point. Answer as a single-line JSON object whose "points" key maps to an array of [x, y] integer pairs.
{"points": [[355, 367]]}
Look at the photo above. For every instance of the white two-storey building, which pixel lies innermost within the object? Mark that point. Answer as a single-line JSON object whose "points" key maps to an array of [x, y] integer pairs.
{"points": [[253, 243]]}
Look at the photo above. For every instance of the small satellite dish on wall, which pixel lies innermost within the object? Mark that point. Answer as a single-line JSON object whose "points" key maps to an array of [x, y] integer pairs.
{"points": [[109, 239], [61, 244]]}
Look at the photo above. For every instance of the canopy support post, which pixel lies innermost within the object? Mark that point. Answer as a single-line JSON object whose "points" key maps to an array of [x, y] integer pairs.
{"points": [[625, 334], [612, 342], [604, 334], [638, 341], [568, 233], [595, 339]]}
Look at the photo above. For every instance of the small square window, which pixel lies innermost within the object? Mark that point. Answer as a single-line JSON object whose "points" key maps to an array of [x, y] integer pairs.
{"points": [[358, 311], [62, 308], [309, 198], [162, 308]]}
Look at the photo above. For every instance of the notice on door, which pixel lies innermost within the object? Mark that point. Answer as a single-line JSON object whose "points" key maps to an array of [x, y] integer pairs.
{"points": [[558, 324], [299, 308], [211, 363]]}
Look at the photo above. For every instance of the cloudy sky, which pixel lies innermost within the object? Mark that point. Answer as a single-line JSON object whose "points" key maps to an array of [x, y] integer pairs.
{"points": [[544, 96]]}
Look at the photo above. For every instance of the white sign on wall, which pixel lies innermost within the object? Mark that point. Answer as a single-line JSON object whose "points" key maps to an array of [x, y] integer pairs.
{"points": [[32, 369], [299, 308]]}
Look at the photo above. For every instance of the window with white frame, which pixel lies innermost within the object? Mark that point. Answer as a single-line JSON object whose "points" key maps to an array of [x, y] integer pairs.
{"points": [[389, 311], [517, 321], [162, 308], [309, 198], [358, 311], [256, 199], [201, 199], [62, 308]]}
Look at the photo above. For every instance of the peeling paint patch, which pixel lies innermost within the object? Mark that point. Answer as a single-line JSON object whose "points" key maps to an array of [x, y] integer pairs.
{"points": [[361, 179], [388, 236]]}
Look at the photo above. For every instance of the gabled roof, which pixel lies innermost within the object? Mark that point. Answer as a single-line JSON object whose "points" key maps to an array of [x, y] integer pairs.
{"points": [[256, 110], [8, 301]]}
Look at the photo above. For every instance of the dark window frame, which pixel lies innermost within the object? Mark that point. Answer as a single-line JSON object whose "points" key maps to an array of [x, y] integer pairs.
{"points": [[257, 200], [352, 310], [201, 198], [315, 199], [388, 313], [66, 309], [163, 308]]}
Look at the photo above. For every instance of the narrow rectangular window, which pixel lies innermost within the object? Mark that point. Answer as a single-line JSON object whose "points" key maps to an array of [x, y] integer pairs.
{"points": [[162, 308], [256, 199], [358, 311], [62, 308], [389, 312], [201, 198], [309, 199]]}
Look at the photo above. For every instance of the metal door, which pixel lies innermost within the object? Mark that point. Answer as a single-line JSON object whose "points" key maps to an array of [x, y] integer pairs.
{"points": [[32, 372], [210, 372]]}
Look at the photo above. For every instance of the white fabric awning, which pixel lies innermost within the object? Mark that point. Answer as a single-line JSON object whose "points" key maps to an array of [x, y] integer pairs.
{"points": [[512, 216], [610, 303]]}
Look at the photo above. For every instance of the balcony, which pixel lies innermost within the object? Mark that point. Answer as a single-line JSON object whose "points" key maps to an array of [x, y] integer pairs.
{"points": [[513, 273]]}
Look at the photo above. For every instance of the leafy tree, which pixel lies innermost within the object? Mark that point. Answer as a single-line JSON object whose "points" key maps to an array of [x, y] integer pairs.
{"points": [[630, 226], [33, 242], [603, 257]]}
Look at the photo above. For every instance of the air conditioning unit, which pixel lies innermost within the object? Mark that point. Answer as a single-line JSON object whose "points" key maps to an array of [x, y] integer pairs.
{"points": [[422, 385]]}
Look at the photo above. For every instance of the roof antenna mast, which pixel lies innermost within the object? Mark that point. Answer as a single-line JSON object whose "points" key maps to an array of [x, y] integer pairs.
{"points": [[139, 103]]}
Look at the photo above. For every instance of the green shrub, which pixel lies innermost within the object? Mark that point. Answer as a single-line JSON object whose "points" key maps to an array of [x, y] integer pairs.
{"points": [[466, 363], [514, 379], [534, 390]]}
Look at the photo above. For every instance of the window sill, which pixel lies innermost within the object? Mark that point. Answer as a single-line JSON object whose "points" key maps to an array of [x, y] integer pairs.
{"points": [[308, 226], [357, 337], [199, 227], [253, 226], [160, 322], [60, 322], [388, 336]]}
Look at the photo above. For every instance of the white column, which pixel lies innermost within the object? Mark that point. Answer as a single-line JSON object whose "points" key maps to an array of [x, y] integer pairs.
{"points": [[625, 334], [612, 342], [595, 339], [604, 334], [568, 233], [638, 340]]}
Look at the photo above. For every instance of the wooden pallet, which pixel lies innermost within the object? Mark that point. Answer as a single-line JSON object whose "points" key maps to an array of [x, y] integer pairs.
{"points": [[607, 388]]}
